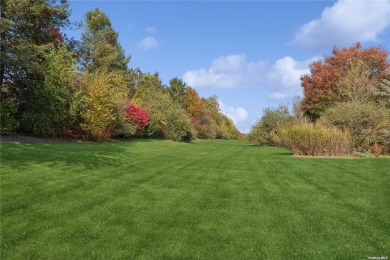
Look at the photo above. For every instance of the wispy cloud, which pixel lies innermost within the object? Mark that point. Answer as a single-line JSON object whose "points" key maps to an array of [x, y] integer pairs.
{"points": [[148, 43], [345, 23], [279, 80]]}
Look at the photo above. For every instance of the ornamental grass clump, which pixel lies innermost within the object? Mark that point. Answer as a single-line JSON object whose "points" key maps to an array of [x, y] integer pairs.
{"points": [[305, 138]]}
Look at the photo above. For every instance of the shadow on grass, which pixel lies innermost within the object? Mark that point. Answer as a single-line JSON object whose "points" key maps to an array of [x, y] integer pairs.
{"points": [[88, 155], [279, 150]]}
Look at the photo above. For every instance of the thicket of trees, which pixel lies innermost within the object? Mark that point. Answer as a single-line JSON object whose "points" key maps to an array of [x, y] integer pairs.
{"points": [[55, 86], [346, 99]]}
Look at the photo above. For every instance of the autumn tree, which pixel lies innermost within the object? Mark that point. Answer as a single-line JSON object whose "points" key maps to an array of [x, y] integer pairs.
{"points": [[200, 118], [167, 119], [193, 103], [224, 126], [104, 98], [330, 80], [357, 84], [100, 48]]}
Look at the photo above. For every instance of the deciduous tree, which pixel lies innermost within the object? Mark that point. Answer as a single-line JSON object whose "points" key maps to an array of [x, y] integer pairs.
{"points": [[104, 97], [200, 118], [167, 119], [324, 86]]}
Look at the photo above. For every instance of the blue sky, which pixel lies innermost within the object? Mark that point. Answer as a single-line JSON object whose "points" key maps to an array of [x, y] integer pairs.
{"points": [[249, 53]]}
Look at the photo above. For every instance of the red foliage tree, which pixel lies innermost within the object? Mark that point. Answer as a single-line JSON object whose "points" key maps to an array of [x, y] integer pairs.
{"points": [[321, 88], [138, 115]]}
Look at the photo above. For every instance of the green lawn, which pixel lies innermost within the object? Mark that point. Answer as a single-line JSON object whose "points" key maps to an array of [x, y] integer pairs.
{"points": [[149, 199]]}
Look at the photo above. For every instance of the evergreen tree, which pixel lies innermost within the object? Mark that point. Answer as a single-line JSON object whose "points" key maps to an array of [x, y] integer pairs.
{"points": [[28, 30], [383, 91], [100, 48], [177, 89]]}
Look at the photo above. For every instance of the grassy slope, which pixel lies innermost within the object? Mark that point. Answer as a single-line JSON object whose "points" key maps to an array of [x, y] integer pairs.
{"points": [[211, 199]]}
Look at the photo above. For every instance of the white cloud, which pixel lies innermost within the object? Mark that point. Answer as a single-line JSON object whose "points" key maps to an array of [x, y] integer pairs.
{"points": [[283, 77], [237, 114], [345, 23], [150, 29], [148, 43], [280, 79], [225, 72]]}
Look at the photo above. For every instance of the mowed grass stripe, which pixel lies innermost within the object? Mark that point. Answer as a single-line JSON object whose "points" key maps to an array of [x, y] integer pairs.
{"points": [[149, 199]]}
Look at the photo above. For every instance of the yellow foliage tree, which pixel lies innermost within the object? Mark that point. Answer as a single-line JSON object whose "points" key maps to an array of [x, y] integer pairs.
{"points": [[103, 103]]}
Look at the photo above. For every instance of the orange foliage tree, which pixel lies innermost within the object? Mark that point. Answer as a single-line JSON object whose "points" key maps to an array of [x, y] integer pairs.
{"points": [[200, 117], [322, 86]]}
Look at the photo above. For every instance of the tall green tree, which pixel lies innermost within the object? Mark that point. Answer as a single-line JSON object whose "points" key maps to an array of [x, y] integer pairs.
{"points": [[28, 31], [48, 111], [177, 89], [133, 79], [100, 48]]}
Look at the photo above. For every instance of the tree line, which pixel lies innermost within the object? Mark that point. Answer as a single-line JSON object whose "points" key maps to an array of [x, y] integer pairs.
{"points": [[345, 107], [54, 86]]}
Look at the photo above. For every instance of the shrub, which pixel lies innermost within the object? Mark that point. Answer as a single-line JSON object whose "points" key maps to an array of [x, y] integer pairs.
{"points": [[380, 138], [135, 119], [378, 149], [264, 131], [257, 135], [8, 122], [179, 127], [316, 140], [362, 120], [138, 115]]}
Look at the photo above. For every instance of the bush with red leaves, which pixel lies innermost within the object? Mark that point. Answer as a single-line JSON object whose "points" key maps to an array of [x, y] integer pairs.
{"points": [[137, 115]]}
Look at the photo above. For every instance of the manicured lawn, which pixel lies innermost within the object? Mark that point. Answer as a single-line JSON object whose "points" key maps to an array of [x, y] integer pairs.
{"points": [[149, 199]]}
